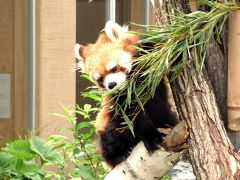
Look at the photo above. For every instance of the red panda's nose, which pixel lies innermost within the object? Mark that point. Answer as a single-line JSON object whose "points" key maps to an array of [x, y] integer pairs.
{"points": [[111, 85]]}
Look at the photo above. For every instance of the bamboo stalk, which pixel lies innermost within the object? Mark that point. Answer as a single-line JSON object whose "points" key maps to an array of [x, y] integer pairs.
{"points": [[233, 72]]}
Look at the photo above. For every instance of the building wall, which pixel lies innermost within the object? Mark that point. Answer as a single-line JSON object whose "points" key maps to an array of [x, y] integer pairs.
{"points": [[56, 36], [7, 59], [13, 63]]}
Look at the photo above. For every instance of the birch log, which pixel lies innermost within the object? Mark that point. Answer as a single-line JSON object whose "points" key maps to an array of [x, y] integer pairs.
{"points": [[142, 166]]}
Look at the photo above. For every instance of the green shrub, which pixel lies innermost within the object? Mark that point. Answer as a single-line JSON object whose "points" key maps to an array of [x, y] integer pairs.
{"points": [[29, 158]]}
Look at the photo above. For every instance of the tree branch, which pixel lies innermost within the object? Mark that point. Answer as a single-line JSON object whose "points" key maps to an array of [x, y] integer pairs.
{"points": [[142, 165]]}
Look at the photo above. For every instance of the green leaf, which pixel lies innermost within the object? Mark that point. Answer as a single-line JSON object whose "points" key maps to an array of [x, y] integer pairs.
{"points": [[86, 76], [82, 125], [29, 170], [84, 172], [83, 114], [20, 149], [88, 134], [50, 175], [92, 96], [184, 33], [166, 177], [127, 121], [7, 162], [36, 175], [138, 100], [56, 138], [45, 151], [87, 107]]}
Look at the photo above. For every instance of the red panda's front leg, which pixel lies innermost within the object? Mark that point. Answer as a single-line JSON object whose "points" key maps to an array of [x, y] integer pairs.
{"points": [[144, 129], [103, 119], [114, 145]]}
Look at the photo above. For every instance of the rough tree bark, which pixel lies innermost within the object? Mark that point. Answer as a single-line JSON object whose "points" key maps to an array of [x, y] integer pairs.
{"points": [[211, 152], [217, 70]]}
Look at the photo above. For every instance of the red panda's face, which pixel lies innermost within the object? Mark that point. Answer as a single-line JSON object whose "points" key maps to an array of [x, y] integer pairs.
{"points": [[109, 60], [109, 68]]}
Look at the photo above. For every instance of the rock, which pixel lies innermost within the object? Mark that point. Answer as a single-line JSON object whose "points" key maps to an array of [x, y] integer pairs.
{"points": [[183, 170]]}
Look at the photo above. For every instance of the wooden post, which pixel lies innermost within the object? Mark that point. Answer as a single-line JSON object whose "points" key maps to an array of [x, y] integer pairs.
{"points": [[234, 72]]}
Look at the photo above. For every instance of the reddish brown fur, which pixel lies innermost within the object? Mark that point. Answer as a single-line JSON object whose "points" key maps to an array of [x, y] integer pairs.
{"points": [[97, 56], [103, 117]]}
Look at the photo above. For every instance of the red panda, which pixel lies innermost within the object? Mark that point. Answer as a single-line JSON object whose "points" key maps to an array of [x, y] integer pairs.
{"points": [[109, 62]]}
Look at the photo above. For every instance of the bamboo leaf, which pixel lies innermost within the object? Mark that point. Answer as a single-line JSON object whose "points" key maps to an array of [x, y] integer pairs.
{"points": [[128, 122], [187, 36]]}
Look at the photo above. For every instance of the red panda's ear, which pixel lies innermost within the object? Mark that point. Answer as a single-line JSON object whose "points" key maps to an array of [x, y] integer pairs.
{"points": [[102, 39], [78, 50], [114, 31], [129, 43]]}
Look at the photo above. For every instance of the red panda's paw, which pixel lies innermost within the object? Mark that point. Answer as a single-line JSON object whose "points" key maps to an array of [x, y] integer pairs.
{"points": [[153, 141], [112, 162], [115, 146]]}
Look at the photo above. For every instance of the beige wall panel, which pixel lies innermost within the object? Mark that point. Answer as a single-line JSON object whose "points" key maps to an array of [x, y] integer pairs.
{"points": [[56, 31], [7, 60]]}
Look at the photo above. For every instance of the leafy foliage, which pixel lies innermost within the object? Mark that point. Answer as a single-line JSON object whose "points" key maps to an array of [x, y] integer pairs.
{"points": [[20, 149], [45, 151], [28, 158], [16, 161], [177, 44]]}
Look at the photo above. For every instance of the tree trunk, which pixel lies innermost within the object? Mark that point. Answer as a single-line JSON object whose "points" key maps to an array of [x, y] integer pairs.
{"points": [[217, 70], [210, 150]]}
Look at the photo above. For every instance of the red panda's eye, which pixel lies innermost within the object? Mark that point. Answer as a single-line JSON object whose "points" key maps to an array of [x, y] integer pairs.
{"points": [[114, 69], [100, 80]]}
